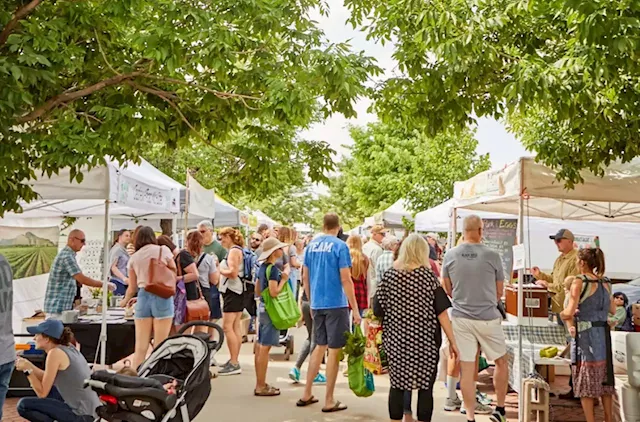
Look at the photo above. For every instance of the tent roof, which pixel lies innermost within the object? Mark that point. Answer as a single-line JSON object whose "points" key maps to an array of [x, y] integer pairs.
{"points": [[438, 218], [613, 197], [392, 216], [264, 219]]}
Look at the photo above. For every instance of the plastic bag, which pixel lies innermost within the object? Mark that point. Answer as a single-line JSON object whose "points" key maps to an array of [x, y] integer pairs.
{"points": [[360, 378]]}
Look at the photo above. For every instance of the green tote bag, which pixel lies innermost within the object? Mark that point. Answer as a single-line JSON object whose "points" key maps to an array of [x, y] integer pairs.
{"points": [[282, 309]]}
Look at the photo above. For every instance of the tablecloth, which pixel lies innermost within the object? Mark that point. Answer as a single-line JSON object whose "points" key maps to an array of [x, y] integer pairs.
{"points": [[533, 339]]}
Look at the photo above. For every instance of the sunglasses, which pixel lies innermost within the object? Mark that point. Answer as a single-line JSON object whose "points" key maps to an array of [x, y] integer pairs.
{"points": [[203, 232], [256, 240], [83, 241]]}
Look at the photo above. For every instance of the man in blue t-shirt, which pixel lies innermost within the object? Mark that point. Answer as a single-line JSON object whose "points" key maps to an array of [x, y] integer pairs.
{"points": [[327, 283]]}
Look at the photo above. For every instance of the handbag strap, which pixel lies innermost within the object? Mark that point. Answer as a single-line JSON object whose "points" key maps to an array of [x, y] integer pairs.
{"points": [[197, 281]]}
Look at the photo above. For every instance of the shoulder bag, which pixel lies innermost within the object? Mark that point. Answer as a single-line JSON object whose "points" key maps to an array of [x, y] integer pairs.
{"points": [[197, 309], [162, 279]]}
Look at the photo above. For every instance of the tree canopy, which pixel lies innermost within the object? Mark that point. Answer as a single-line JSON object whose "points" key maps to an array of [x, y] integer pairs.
{"points": [[388, 163], [84, 80], [564, 74]]}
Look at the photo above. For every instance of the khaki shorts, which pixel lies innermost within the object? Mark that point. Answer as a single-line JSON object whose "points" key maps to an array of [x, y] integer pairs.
{"points": [[470, 333]]}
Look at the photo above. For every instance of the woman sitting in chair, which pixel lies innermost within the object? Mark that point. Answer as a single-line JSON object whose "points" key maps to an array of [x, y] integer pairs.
{"points": [[60, 387]]}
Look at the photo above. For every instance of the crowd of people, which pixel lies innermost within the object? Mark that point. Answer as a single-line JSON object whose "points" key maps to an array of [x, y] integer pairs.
{"points": [[427, 300]]}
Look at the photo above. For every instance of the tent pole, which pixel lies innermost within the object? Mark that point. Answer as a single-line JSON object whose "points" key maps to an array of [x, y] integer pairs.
{"points": [[174, 226], [520, 293], [186, 210], [105, 286], [453, 228]]}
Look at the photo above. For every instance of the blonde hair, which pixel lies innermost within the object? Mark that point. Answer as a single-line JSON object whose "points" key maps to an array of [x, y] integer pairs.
{"points": [[414, 253], [359, 264], [286, 235], [234, 234]]}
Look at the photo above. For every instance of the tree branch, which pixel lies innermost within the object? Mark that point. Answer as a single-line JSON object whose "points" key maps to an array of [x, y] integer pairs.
{"points": [[71, 96], [21, 13], [219, 94], [104, 57], [162, 95]]}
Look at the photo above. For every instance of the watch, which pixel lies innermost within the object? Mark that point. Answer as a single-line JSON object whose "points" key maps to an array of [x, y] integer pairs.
{"points": [[27, 372]]}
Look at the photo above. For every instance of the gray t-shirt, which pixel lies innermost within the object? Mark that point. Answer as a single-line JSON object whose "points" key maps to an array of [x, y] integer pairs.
{"points": [[474, 270], [7, 345], [206, 267]]}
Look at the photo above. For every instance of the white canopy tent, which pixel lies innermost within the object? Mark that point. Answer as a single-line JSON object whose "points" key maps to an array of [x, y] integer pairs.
{"points": [[106, 189], [391, 217], [265, 219], [615, 238], [526, 188]]}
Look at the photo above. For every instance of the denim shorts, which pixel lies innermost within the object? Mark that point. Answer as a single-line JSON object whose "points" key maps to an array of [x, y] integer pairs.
{"points": [[152, 306], [268, 335]]}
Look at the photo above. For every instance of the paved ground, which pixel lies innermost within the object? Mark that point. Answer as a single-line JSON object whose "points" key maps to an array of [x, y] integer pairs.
{"points": [[232, 398]]}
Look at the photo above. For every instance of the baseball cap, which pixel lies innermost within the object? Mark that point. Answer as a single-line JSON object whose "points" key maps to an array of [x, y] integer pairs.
{"points": [[434, 236], [51, 327], [563, 234], [378, 228]]}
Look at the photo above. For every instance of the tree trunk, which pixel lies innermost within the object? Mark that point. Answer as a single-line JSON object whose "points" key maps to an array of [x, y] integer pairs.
{"points": [[167, 227]]}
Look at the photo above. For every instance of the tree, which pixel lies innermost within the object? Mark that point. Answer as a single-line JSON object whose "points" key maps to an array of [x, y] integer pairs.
{"points": [[388, 163], [81, 80], [565, 74], [293, 204]]}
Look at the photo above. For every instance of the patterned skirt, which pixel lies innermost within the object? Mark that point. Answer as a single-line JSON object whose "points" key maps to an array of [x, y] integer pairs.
{"points": [[588, 379]]}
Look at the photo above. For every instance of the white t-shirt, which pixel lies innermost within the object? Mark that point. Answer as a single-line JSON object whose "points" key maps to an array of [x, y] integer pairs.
{"points": [[140, 261]]}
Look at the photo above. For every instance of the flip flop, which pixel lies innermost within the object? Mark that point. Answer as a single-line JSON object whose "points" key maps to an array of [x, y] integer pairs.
{"points": [[269, 391], [336, 408], [302, 403]]}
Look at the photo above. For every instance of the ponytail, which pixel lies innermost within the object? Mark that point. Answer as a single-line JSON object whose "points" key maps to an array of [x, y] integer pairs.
{"points": [[593, 259]]}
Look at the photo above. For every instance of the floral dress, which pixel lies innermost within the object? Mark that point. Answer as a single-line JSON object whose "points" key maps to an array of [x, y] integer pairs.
{"points": [[591, 348]]}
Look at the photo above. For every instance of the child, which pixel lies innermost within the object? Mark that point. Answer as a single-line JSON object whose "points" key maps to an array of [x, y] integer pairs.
{"points": [[570, 323], [617, 320], [169, 387]]}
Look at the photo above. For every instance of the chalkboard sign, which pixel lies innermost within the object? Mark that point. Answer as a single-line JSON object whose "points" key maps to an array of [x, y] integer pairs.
{"points": [[500, 235]]}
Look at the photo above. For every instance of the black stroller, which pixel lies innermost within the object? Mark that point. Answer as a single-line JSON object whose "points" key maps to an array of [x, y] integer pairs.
{"points": [[183, 359]]}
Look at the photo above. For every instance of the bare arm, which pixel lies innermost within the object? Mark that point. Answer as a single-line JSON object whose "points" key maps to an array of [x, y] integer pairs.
{"points": [[233, 263], [445, 323], [214, 278], [446, 285], [191, 273], [132, 288], [118, 273], [87, 281], [499, 289], [568, 312], [305, 282], [295, 263], [276, 287], [42, 381], [347, 285]]}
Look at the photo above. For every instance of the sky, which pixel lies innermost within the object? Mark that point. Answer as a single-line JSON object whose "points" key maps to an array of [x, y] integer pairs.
{"points": [[492, 136]]}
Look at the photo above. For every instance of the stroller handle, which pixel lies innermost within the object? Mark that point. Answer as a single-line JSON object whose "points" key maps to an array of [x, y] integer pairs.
{"points": [[213, 345], [95, 384]]}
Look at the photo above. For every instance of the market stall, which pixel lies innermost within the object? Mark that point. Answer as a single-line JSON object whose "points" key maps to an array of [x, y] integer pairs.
{"points": [[106, 190], [528, 189]]}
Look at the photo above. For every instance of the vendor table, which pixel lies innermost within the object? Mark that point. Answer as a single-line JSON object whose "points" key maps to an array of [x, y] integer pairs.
{"points": [[533, 340], [121, 336]]}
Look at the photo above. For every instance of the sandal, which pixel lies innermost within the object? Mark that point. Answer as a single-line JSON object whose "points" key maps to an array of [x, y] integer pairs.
{"points": [[303, 403], [268, 391], [336, 408]]}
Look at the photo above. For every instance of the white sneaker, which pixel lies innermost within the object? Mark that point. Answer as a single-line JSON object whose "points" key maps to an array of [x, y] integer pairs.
{"points": [[452, 405], [481, 409]]}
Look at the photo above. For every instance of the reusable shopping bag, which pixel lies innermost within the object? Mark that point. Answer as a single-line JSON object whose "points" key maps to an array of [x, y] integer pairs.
{"points": [[282, 309]]}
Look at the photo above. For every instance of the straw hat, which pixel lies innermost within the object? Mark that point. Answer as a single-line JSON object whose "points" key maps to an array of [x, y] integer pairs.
{"points": [[269, 246]]}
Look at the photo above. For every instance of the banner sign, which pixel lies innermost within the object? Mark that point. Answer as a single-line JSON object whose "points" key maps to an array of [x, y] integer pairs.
{"points": [[141, 195], [202, 201]]}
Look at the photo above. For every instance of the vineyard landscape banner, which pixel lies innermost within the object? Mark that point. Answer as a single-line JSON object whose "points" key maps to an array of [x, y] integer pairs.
{"points": [[29, 250]]}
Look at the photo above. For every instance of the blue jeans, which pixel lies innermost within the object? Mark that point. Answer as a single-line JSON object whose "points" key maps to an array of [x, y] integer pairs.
{"points": [[51, 409], [5, 377]]}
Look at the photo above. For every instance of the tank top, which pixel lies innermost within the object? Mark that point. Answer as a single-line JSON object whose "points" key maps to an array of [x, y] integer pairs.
{"points": [[70, 384]]}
